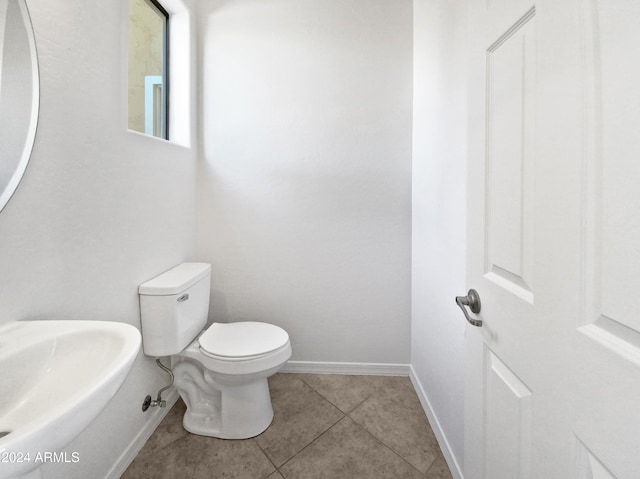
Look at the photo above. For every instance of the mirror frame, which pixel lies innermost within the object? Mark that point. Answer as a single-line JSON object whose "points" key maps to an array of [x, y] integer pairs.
{"points": [[13, 183]]}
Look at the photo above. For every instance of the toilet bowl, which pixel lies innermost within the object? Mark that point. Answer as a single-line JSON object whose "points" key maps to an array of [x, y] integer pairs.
{"points": [[227, 396], [221, 374]]}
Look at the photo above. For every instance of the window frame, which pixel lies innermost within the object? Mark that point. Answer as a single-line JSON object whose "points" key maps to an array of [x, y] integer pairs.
{"points": [[155, 4], [164, 102]]}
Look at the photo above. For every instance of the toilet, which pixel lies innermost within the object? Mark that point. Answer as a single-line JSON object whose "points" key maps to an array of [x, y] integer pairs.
{"points": [[220, 372]]}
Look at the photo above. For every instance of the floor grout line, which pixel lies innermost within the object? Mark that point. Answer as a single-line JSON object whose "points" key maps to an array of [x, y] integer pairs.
{"points": [[325, 398], [359, 404], [346, 413], [314, 440], [253, 439], [389, 447]]}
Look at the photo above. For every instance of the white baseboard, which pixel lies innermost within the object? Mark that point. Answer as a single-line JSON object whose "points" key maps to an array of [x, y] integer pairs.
{"points": [[364, 369], [454, 467], [127, 457]]}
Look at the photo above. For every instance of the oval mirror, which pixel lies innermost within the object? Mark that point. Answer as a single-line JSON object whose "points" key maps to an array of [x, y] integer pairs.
{"points": [[19, 94]]}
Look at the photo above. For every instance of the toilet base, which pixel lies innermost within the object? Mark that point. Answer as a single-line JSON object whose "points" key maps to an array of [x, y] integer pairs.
{"points": [[223, 406]]}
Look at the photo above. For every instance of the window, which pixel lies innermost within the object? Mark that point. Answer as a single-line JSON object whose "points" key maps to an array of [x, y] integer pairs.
{"points": [[148, 68]]}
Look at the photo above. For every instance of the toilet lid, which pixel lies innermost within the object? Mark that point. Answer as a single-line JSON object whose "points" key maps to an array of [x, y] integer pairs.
{"points": [[246, 338]]}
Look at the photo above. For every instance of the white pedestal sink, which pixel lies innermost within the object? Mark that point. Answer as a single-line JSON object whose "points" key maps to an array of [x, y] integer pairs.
{"points": [[55, 377]]}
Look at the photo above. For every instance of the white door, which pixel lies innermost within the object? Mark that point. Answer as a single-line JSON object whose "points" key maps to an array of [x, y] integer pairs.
{"points": [[553, 378]]}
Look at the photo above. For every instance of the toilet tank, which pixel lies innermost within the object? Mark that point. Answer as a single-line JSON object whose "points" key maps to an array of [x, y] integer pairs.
{"points": [[174, 307]]}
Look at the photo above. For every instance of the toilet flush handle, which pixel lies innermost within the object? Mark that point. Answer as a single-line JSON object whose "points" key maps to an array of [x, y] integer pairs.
{"points": [[183, 298]]}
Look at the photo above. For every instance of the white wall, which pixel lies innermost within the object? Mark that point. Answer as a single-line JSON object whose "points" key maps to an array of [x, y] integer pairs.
{"points": [[99, 211], [305, 184], [439, 208]]}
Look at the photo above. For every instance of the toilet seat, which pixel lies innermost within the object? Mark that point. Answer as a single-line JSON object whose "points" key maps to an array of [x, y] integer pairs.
{"points": [[242, 341]]}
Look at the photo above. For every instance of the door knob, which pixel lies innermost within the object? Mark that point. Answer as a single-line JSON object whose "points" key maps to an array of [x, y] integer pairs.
{"points": [[472, 299]]}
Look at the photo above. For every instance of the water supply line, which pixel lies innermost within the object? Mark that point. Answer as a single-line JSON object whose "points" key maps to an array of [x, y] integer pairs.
{"points": [[148, 402]]}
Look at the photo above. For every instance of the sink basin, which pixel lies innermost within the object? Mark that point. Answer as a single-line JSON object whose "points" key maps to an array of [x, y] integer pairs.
{"points": [[55, 377]]}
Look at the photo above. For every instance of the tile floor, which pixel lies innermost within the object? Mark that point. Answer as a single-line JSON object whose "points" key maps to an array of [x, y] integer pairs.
{"points": [[324, 426]]}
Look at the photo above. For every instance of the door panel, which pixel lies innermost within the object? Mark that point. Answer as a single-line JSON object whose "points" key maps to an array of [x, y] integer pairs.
{"points": [[614, 121], [508, 416], [509, 143]]}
